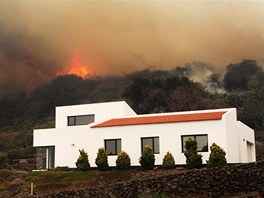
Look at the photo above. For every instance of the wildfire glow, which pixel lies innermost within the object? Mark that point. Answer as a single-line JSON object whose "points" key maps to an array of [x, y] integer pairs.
{"points": [[76, 67]]}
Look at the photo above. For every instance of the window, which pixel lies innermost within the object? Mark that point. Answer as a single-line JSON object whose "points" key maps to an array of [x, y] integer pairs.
{"points": [[45, 157], [113, 147], [153, 142], [202, 142], [80, 120]]}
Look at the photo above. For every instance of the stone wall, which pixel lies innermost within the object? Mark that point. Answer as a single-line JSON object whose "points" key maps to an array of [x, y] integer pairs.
{"points": [[207, 182]]}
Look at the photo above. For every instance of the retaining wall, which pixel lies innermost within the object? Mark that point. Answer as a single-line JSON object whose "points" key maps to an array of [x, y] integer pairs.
{"points": [[207, 182]]}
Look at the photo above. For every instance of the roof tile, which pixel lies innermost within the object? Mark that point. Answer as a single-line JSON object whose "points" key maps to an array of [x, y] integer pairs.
{"points": [[161, 119]]}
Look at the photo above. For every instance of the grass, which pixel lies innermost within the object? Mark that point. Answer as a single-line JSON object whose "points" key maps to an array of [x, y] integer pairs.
{"points": [[53, 181], [46, 181], [59, 180]]}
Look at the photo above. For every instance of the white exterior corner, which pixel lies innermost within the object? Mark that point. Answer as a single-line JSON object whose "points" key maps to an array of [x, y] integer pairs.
{"points": [[233, 136]]}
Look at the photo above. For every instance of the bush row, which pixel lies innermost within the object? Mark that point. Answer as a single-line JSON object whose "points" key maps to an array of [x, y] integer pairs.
{"points": [[101, 161], [194, 160], [147, 158]]}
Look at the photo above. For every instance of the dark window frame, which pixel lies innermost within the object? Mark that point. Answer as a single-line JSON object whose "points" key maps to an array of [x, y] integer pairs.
{"points": [[194, 136], [116, 151], [76, 116], [153, 143]]}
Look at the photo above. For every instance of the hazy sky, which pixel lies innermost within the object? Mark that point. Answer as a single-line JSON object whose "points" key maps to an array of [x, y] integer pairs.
{"points": [[37, 37]]}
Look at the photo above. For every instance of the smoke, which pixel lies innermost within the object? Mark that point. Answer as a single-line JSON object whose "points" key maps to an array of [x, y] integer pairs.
{"points": [[26, 59], [115, 37], [203, 73], [23, 63]]}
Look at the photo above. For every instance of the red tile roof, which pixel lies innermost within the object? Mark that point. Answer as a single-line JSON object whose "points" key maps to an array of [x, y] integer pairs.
{"points": [[161, 119]]}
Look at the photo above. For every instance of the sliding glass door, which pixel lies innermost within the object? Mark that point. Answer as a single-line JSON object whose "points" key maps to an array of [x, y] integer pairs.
{"points": [[45, 157]]}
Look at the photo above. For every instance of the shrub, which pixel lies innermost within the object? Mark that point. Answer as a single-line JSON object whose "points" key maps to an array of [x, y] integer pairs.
{"points": [[217, 156], [82, 163], [147, 158], [168, 161], [102, 160], [23, 164], [3, 160], [193, 159], [23, 161], [123, 161]]}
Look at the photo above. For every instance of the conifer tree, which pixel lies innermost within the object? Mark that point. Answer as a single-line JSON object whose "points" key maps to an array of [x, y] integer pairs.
{"points": [[123, 161], [147, 158], [217, 156], [82, 163], [102, 159], [168, 161], [193, 159]]}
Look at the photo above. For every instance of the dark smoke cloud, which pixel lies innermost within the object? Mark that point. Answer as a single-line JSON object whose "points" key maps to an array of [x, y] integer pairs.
{"points": [[27, 60], [24, 62], [37, 37]]}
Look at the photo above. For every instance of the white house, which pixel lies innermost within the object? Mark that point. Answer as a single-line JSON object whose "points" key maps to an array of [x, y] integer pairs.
{"points": [[115, 127]]}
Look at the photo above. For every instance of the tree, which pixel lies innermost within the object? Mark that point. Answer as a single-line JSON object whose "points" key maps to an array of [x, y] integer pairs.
{"points": [[165, 93], [257, 81], [123, 161], [193, 159], [238, 75], [168, 161], [217, 156], [82, 163], [102, 159], [3, 160], [147, 158]]}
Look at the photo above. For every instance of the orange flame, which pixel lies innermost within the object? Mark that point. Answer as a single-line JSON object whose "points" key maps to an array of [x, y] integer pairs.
{"points": [[77, 68]]}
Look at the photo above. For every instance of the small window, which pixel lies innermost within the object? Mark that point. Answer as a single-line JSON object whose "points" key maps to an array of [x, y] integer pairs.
{"points": [[80, 120], [113, 147], [202, 142], [153, 142]]}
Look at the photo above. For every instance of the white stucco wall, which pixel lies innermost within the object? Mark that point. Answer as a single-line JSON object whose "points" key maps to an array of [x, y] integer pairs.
{"points": [[246, 134], [64, 140], [231, 136], [102, 111]]}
